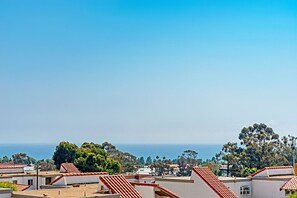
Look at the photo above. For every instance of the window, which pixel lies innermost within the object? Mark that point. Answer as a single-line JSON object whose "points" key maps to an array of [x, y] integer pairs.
{"points": [[48, 180], [30, 182], [245, 190], [15, 181]]}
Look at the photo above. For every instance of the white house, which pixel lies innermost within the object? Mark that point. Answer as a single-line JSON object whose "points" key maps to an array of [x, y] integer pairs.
{"points": [[268, 182], [202, 183]]}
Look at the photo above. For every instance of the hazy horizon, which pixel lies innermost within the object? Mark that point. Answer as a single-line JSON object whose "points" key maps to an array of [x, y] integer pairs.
{"points": [[187, 72]]}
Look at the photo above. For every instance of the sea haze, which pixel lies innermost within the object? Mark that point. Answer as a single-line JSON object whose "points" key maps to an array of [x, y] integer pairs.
{"points": [[170, 151]]}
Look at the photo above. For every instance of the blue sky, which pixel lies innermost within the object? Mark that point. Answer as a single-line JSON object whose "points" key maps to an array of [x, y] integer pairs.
{"points": [[146, 71]]}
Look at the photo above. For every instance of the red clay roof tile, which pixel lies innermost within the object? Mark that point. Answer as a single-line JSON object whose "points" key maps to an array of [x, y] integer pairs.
{"points": [[213, 182], [290, 185], [119, 184], [6, 166], [21, 187], [77, 174], [70, 168]]}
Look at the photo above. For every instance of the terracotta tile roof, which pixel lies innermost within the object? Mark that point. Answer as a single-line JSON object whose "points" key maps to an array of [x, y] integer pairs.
{"points": [[6, 166], [171, 194], [70, 168], [77, 174], [271, 168], [214, 183], [119, 184], [21, 187], [290, 185], [85, 174]]}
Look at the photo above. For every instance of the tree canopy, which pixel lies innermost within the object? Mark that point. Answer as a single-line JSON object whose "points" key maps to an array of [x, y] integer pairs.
{"points": [[92, 157], [260, 147], [65, 152]]}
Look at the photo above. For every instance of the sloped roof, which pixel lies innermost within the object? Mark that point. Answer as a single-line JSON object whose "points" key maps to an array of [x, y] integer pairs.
{"points": [[290, 185], [22, 187], [77, 174], [213, 182], [119, 184], [70, 168], [161, 188], [8, 166], [271, 168]]}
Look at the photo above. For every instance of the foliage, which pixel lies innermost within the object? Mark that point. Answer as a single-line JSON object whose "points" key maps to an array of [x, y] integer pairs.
{"points": [[5, 160], [161, 165], [128, 161], [8, 185], [141, 161], [186, 162], [248, 171], [148, 161], [90, 157], [261, 144], [292, 195], [260, 147], [46, 165], [65, 152], [18, 158], [22, 158]]}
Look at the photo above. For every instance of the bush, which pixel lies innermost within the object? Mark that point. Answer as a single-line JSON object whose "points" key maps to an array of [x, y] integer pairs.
{"points": [[8, 185]]}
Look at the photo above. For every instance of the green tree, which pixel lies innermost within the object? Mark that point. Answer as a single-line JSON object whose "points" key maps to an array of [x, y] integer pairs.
{"points": [[186, 161], [148, 161], [92, 157], [232, 154], [161, 166], [22, 158], [261, 147], [141, 161], [261, 144], [128, 161], [6, 159], [65, 152], [47, 165]]}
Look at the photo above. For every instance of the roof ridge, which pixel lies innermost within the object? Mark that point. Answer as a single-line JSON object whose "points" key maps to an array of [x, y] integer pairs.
{"points": [[270, 168]]}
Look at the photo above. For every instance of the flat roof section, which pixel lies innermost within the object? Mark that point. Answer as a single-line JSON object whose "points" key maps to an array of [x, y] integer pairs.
{"points": [[85, 190]]}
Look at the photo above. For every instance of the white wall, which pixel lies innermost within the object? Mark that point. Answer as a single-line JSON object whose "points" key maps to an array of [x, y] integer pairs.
{"points": [[270, 172], [5, 193], [267, 189], [235, 187], [204, 189], [189, 190], [11, 170], [183, 189], [68, 180], [6, 179], [146, 191]]}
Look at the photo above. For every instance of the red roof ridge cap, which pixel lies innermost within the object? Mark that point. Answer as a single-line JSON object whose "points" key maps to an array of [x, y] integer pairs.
{"points": [[57, 179], [270, 168]]}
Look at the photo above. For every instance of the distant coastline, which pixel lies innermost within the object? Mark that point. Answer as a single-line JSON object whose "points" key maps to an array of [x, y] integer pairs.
{"points": [[170, 151]]}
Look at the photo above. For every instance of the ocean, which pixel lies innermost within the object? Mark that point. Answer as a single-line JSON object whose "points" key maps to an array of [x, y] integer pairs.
{"points": [[170, 151]]}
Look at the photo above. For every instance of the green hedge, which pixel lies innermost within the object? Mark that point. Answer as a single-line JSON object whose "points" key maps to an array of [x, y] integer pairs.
{"points": [[8, 185]]}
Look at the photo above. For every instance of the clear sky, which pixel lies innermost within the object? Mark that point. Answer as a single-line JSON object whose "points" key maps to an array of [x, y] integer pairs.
{"points": [[160, 71]]}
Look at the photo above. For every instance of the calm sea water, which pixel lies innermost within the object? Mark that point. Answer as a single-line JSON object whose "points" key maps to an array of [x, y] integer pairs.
{"points": [[170, 151]]}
